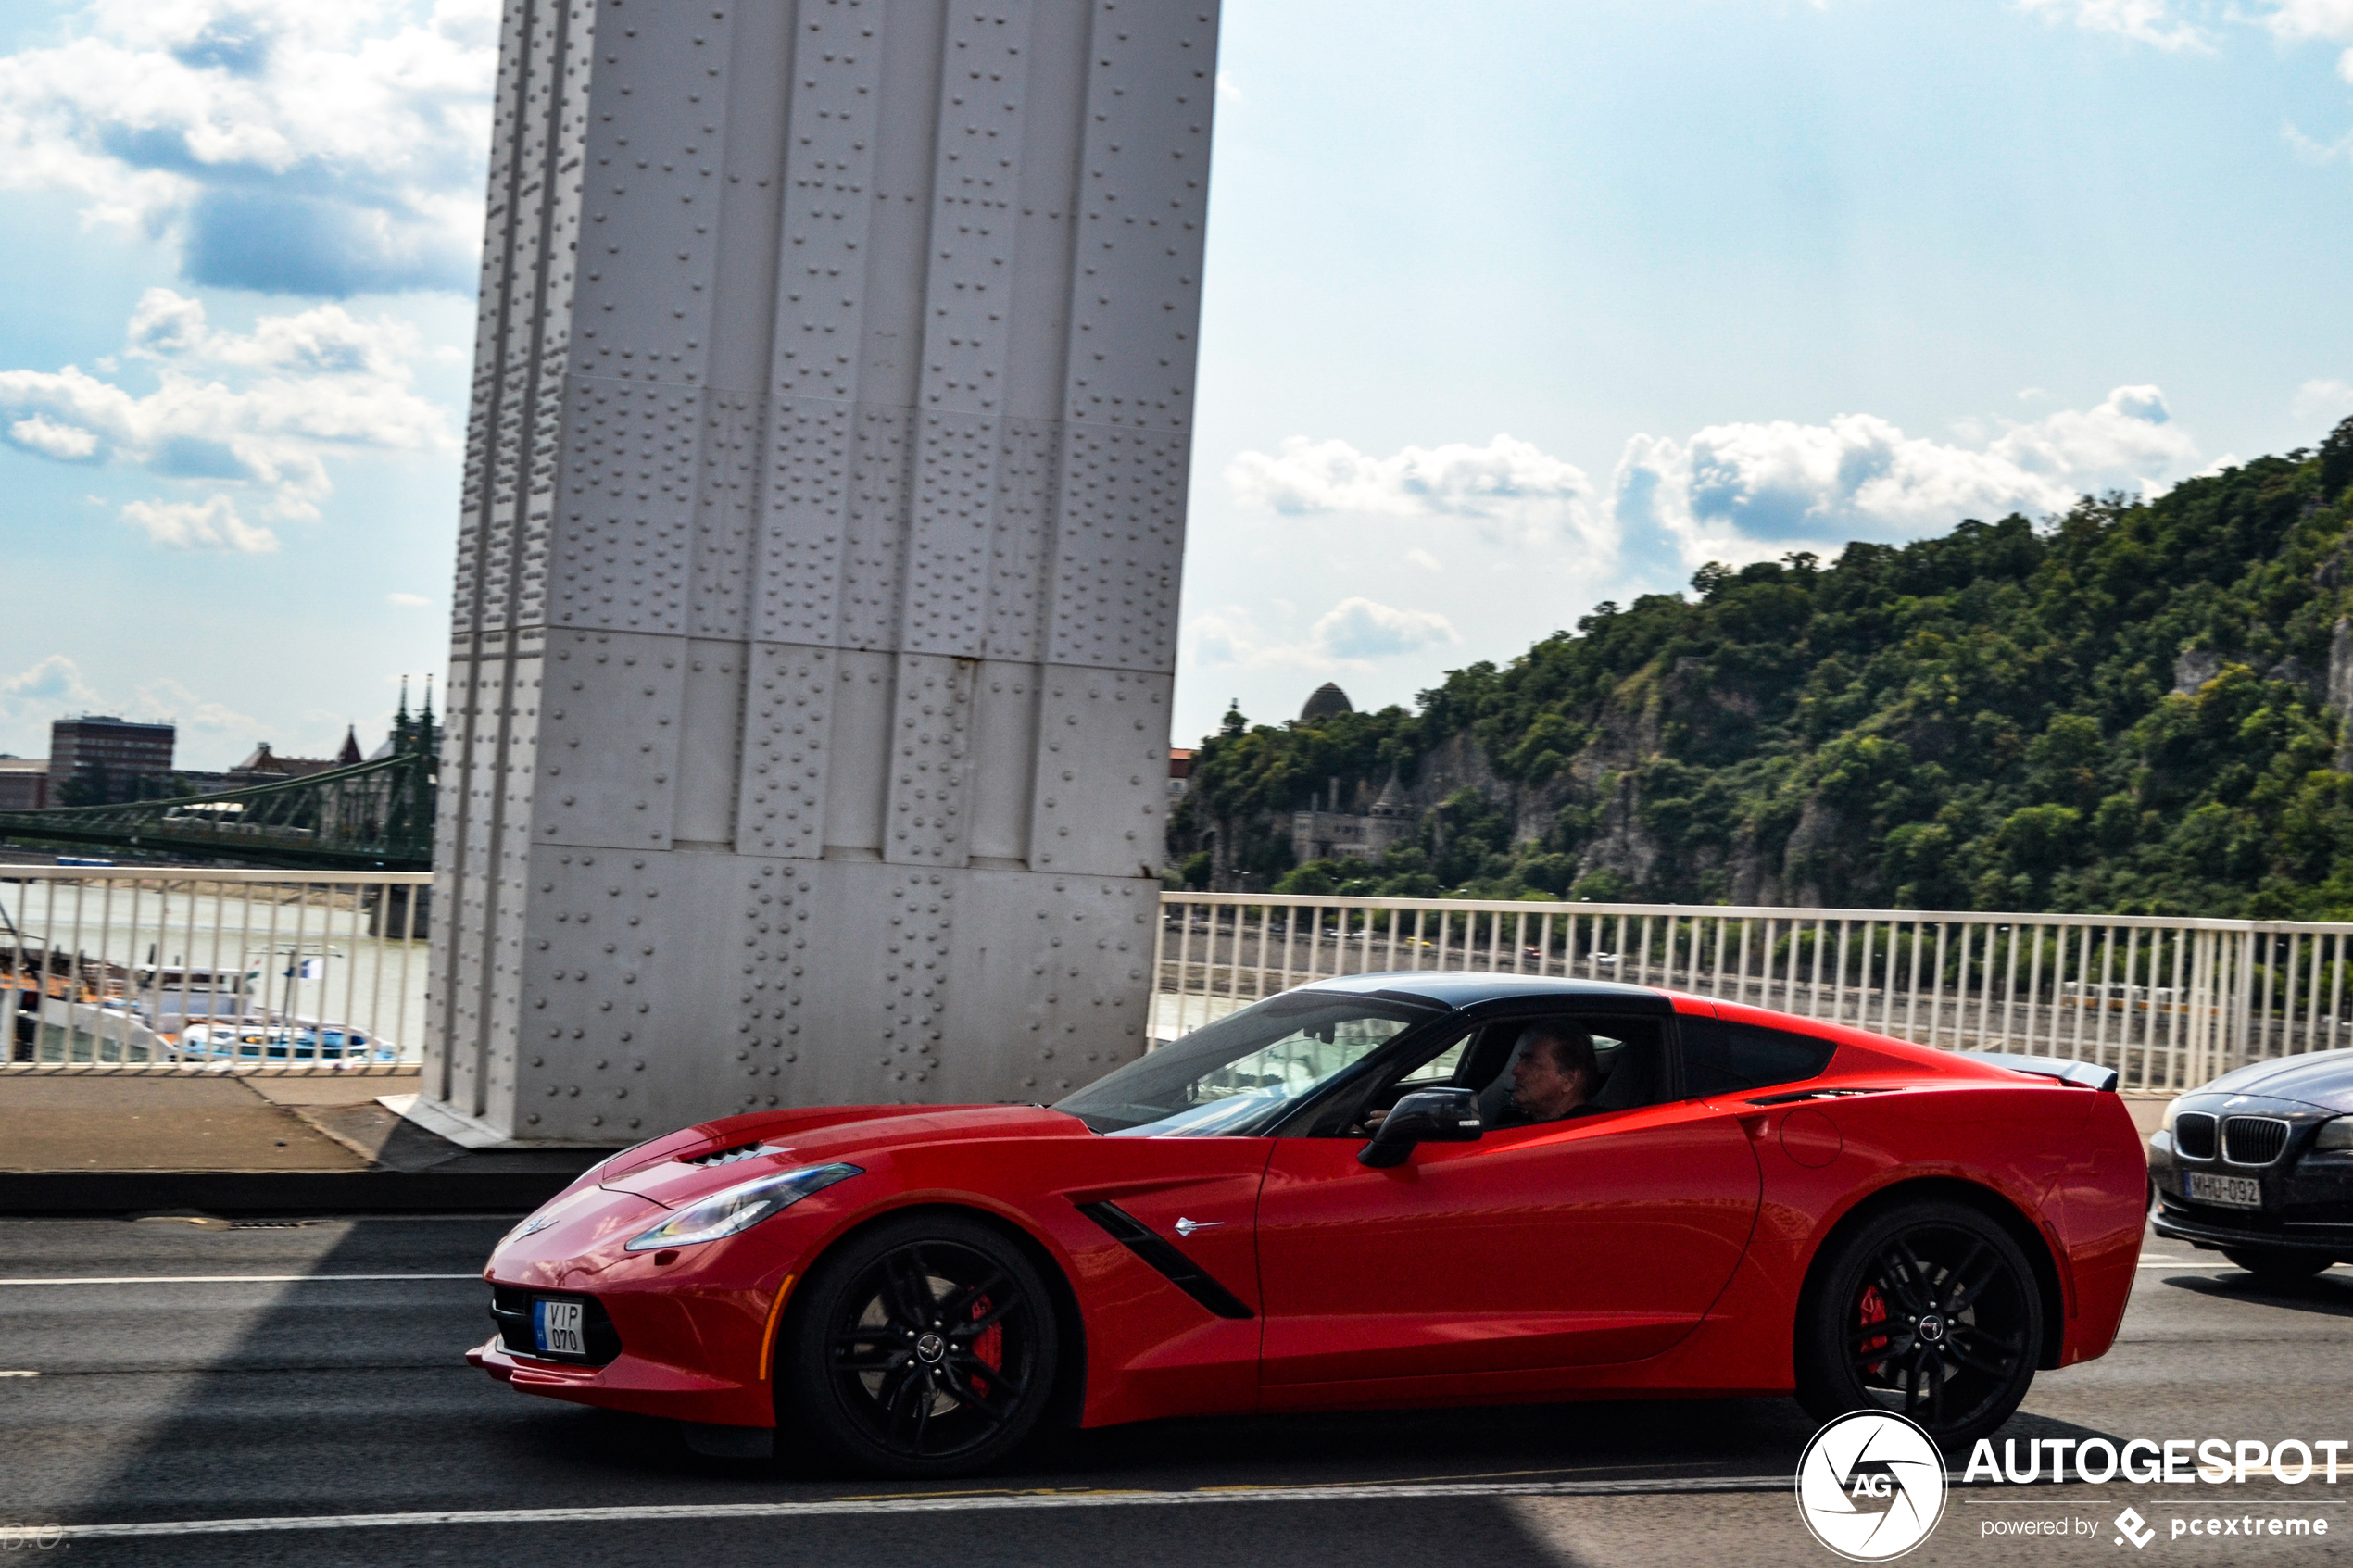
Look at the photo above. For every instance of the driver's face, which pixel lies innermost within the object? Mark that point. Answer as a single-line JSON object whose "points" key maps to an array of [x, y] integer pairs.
{"points": [[1540, 1089]]}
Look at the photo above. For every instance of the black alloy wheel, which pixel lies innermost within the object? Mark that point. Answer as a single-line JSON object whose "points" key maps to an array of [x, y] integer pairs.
{"points": [[923, 1347], [1930, 1311], [2278, 1266]]}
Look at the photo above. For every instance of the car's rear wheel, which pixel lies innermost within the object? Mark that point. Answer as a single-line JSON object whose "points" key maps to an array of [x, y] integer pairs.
{"points": [[1930, 1311], [2277, 1265], [922, 1346]]}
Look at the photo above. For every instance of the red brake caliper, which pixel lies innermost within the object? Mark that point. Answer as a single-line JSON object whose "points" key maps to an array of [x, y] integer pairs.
{"points": [[1874, 1310], [989, 1349]]}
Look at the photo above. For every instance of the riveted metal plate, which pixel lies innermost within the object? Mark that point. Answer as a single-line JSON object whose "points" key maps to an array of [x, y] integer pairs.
{"points": [[726, 518], [625, 531], [1135, 304], [948, 553], [928, 816], [609, 739], [787, 723], [1102, 748], [1118, 550]]}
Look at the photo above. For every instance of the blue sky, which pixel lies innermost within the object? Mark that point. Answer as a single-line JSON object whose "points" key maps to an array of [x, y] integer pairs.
{"points": [[1510, 308]]}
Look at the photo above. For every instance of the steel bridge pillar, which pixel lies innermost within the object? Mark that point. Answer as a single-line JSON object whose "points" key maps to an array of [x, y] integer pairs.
{"points": [[816, 587]]}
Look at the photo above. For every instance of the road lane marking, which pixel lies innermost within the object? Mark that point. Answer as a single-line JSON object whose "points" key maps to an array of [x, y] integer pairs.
{"points": [[226, 1279], [955, 1503]]}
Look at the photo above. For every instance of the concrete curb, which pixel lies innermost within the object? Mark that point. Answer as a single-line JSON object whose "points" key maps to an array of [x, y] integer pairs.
{"points": [[61, 1194]]}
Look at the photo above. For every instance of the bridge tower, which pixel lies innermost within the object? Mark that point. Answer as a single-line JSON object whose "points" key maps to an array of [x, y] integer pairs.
{"points": [[816, 587]]}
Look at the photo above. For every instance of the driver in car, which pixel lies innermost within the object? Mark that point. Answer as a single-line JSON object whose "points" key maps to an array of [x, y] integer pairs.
{"points": [[1554, 1073], [1554, 1077]]}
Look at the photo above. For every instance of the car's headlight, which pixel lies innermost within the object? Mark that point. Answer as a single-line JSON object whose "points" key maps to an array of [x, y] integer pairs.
{"points": [[741, 1207], [2334, 1134]]}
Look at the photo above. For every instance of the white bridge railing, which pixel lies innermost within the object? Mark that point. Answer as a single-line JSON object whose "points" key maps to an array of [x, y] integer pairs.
{"points": [[2168, 1003], [158, 969], [151, 969]]}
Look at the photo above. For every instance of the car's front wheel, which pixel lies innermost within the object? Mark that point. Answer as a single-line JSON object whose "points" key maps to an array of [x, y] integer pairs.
{"points": [[923, 1347], [2277, 1265], [1930, 1311]]}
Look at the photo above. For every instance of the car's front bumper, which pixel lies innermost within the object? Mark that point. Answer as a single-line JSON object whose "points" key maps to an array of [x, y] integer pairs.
{"points": [[2200, 1227], [634, 1383], [681, 1333], [2307, 1194]]}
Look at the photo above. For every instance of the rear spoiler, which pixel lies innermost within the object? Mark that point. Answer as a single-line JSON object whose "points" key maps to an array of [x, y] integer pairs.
{"points": [[2083, 1075]]}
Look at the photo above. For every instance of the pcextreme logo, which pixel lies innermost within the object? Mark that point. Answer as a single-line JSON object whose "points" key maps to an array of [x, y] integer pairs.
{"points": [[1871, 1486]]}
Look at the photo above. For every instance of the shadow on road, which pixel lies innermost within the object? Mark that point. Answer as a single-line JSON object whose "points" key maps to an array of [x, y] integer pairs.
{"points": [[335, 1398], [2328, 1294]]}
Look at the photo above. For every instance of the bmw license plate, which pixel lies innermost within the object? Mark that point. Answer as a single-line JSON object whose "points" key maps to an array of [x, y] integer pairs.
{"points": [[556, 1326], [2237, 1192]]}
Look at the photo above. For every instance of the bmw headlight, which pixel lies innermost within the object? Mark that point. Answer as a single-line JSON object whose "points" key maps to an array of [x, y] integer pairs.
{"points": [[741, 1207], [2337, 1132]]}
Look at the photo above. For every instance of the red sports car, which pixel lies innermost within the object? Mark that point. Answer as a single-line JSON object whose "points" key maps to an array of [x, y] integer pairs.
{"points": [[1386, 1190]]}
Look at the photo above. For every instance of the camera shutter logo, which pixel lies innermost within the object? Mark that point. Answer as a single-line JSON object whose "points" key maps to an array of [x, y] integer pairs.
{"points": [[1871, 1486]]}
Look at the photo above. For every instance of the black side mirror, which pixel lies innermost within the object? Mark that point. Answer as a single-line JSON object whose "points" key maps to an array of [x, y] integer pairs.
{"points": [[1424, 1116]]}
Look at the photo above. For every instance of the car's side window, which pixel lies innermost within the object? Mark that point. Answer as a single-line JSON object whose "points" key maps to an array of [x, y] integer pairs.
{"points": [[1630, 1064], [1438, 1069], [1722, 1059], [1440, 1064]]}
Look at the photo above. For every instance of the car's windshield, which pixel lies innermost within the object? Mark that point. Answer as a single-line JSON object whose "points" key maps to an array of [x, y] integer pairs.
{"points": [[1239, 1075]]}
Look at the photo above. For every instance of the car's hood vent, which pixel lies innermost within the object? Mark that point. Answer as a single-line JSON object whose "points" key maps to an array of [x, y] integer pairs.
{"points": [[726, 1156]]}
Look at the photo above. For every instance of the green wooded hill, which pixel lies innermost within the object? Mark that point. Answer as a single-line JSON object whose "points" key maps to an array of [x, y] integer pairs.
{"points": [[2134, 708]]}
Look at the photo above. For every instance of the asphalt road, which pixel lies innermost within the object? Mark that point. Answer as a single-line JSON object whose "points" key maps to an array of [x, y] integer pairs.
{"points": [[160, 1398]]}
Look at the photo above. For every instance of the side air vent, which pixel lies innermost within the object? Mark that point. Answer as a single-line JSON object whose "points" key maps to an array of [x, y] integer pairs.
{"points": [[1182, 1271], [2193, 1134], [725, 1156]]}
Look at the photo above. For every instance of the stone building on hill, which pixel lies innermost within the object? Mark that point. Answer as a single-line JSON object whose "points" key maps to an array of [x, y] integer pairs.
{"points": [[1324, 831], [1327, 701]]}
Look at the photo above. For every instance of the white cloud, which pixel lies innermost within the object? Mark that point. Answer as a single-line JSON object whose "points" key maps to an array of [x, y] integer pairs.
{"points": [[1424, 559], [1352, 635], [1359, 629], [408, 601], [189, 711], [261, 410], [68, 444], [1511, 492], [53, 682], [2191, 24], [287, 145], [2297, 20], [1745, 492], [2147, 21], [2324, 399], [2315, 21], [210, 524]]}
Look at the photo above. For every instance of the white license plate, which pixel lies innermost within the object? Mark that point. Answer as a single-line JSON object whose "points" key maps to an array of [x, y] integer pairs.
{"points": [[556, 1326], [2237, 1192]]}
